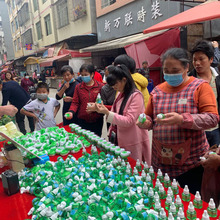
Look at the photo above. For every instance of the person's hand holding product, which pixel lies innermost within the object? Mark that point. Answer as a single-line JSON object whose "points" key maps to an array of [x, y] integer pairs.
{"points": [[171, 118], [67, 99]]}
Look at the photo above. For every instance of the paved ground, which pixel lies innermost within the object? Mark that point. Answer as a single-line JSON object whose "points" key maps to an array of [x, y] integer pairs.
{"points": [[59, 116]]}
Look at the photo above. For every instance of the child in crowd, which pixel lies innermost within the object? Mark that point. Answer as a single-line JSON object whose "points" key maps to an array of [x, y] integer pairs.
{"points": [[43, 109]]}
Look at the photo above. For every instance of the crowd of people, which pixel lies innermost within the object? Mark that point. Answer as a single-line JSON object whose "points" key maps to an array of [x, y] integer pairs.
{"points": [[188, 100]]}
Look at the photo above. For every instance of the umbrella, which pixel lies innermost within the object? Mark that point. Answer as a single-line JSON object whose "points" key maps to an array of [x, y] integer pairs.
{"points": [[199, 13], [4, 70]]}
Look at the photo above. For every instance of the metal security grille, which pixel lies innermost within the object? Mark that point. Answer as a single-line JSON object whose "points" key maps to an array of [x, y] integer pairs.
{"points": [[23, 14], [62, 13], [27, 38]]}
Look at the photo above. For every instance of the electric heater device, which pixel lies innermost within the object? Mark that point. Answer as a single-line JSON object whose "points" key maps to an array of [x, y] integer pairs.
{"points": [[10, 182]]}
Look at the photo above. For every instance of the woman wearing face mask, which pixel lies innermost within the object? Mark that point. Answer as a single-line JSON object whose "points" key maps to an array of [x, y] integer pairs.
{"points": [[86, 92], [66, 92], [26, 83], [124, 113], [189, 107]]}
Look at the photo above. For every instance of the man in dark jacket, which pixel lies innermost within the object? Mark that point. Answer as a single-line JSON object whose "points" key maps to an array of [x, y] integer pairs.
{"points": [[12, 92]]}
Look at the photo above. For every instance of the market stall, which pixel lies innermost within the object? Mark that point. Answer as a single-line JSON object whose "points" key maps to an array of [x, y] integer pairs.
{"points": [[115, 194]]}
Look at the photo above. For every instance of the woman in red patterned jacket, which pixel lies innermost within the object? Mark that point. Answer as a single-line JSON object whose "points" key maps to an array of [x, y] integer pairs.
{"points": [[86, 92]]}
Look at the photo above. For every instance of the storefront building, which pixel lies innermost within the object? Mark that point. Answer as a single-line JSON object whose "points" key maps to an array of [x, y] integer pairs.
{"points": [[121, 23]]}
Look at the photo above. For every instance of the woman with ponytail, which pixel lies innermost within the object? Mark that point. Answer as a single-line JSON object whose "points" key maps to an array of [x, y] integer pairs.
{"points": [[128, 105]]}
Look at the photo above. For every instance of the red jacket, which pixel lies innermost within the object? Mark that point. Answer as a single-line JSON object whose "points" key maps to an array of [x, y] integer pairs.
{"points": [[98, 76], [26, 83], [82, 95]]}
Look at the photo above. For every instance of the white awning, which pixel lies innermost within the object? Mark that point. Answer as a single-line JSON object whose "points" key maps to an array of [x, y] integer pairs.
{"points": [[120, 42]]}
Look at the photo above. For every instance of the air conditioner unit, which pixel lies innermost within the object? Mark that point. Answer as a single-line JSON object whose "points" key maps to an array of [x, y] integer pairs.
{"points": [[35, 43]]}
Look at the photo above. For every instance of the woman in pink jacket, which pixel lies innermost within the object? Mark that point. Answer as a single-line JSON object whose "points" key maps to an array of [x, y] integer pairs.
{"points": [[124, 114]]}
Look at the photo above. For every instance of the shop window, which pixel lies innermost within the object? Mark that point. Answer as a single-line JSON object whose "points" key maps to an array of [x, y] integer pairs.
{"points": [[106, 3]]}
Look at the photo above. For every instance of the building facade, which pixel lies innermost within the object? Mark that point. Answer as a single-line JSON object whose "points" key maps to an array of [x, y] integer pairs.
{"points": [[6, 50], [36, 24]]}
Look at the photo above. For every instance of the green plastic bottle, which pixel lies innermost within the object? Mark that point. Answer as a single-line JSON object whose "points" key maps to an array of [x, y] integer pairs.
{"points": [[157, 184], [138, 165], [161, 116], [98, 99], [186, 195], [162, 214], [170, 216], [151, 172], [191, 213], [157, 205], [160, 175], [170, 191], [174, 187], [205, 215], [151, 197], [167, 181], [162, 192], [146, 167], [181, 214], [197, 202], [142, 118], [173, 210], [179, 203], [168, 202], [212, 211]]}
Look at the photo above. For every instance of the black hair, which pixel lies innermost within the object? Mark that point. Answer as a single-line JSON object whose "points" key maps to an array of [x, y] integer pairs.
{"points": [[26, 74], [144, 62], [204, 47], [117, 73], [65, 69], [42, 85], [127, 61], [110, 67], [87, 67], [178, 54]]}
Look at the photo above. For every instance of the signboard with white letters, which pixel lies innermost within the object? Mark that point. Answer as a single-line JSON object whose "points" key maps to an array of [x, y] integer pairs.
{"points": [[134, 18]]}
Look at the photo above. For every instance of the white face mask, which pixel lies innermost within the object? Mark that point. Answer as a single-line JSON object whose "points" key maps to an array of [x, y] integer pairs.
{"points": [[41, 96], [27, 77]]}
